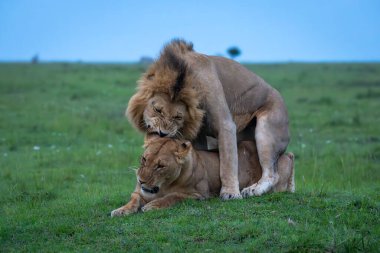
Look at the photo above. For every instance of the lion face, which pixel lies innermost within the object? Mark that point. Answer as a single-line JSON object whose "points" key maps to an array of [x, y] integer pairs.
{"points": [[162, 163], [169, 99], [164, 117]]}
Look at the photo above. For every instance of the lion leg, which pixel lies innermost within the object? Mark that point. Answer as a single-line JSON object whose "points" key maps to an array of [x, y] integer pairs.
{"points": [[228, 163], [272, 138], [223, 125], [285, 168], [132, 206], [286, 173], [291, 182], [166, 201]]}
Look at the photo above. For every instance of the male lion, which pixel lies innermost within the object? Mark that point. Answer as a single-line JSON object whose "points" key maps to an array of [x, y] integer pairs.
{"points": [[171, 170], [189, 95]]}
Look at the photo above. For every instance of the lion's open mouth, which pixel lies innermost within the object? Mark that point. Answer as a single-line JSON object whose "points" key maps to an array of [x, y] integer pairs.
{"points": [[154, 190]]}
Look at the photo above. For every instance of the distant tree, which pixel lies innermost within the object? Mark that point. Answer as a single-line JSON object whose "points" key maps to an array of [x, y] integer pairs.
{"points": [[35, 59], [233, 52]]}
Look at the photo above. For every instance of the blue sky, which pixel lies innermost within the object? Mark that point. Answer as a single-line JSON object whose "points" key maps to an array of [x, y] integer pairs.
{"points": [[123, 31]]}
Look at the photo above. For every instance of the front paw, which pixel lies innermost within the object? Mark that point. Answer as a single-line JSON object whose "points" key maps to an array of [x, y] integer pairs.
{"points": [[249, 191], [122, 211], [149, 207], [265, 185], [229, 194]]}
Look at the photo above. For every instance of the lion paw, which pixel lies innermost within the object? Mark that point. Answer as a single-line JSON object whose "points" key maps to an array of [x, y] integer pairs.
{"points": [[248, 191], [263, 186], [149, 207], [228, 195], [121, 212]]}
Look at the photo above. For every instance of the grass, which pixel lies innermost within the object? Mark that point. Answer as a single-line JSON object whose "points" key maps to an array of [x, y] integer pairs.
{"points": [[67, 156]]}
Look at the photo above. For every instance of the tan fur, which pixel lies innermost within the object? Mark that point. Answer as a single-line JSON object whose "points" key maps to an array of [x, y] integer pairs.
{"points": [[157, 81], [222, 94], [182, 172]]}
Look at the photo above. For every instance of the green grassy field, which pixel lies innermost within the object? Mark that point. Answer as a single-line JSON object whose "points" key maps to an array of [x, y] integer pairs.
{"points": [[67, 156]]}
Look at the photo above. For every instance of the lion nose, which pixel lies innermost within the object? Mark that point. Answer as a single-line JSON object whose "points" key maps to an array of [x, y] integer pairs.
{"points": [[162, 134], [155, 189]]}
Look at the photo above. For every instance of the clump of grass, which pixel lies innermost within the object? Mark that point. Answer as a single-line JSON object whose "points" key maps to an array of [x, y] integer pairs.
{"points": [[360, 84], [375, 154], [337, 120], [340, 120], [302, 100], [370, 94], [356, 120], [323, 101]]}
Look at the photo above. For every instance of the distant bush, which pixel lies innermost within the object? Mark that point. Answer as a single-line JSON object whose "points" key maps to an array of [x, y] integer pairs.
{"points": [[35, 59], [233, 52], [146, 60]]}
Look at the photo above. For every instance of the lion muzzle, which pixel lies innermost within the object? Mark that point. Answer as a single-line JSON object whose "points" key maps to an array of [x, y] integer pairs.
{"points": [[153, 190]]}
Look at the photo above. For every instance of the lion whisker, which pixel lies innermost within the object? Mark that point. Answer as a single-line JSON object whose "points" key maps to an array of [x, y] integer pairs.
{"points": [[134, 168], [178, 135]]}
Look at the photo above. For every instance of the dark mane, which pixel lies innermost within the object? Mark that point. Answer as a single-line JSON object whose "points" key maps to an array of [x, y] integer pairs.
{"points": [[171, 58]]}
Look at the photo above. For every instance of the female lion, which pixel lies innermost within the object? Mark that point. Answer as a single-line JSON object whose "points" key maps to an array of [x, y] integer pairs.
{"points": [[171, 171]]}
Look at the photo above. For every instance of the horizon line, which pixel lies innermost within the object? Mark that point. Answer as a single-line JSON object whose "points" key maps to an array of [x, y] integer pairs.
{"points": [[138, 62]]}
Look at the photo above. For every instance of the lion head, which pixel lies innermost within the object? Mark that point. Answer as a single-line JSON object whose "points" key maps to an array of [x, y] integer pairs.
{"points": [[166, 102], [162, 163], [163, 116]]}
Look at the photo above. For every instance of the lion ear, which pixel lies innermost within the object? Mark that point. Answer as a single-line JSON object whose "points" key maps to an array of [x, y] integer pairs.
{"points": [[150, 76], [184, 150], [186, 145]]}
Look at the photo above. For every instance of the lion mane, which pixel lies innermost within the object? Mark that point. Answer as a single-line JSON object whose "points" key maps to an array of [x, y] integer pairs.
{"points": [[169, 74]]}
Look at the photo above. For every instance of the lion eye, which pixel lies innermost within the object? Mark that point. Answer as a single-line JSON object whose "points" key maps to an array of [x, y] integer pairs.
{"points": [[178, 118], [157, 110], [159, 167]]}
